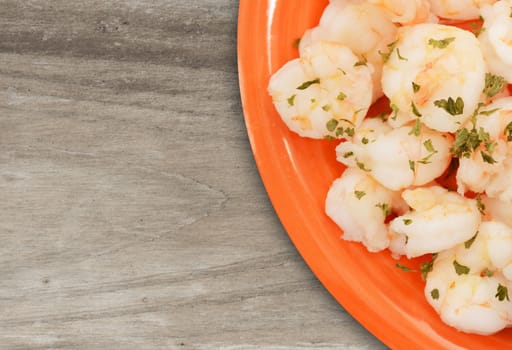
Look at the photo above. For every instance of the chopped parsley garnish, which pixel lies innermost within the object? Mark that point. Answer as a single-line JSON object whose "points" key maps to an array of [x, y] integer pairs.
{"points": [[416, 128], [348, 154], [415, 87], [341, 96], [407, 222], [400, 57], [479, 204], [494, 84], [486, 273], [386, 209], [508, 131], [427, 266], [415, 110], [291, 100], [489, 112], [453, 107], [332, 124], [326, 108], [364, 140], [434, 293], [404, 268], [460, 269], [296, 42], [502, 293], [385, 55], [362, 62], [307, 84], [441, 44], [486, 157], [429, 146], [361, 166], [412, 165], [470, 241], [394, 108], [467, 141], [350, 131], [359, 194]]}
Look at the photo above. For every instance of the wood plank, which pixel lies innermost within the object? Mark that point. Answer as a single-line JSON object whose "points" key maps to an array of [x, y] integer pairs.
{"points": [[132, 214]]}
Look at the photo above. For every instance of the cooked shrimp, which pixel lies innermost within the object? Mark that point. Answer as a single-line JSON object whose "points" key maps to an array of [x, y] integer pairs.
{"points": [[465, 287], [491, 124], [436, 72], [339, 22], [323, 91], [498, 239], [496, 38], [497, 210], [407, 12], [439, 220], [359, 206], [459, 9], [499, 186], [397, 158]]}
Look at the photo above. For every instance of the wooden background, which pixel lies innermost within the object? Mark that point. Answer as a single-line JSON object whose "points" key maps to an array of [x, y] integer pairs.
{"points": [[132, 215]]}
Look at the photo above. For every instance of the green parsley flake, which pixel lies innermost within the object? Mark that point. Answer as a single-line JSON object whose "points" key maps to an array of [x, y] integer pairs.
{"points": [[326, 108], [415, 110], [362, 62], [428, 145], [480, 204], [385, 55], [486, 157], [441, 44], [470, 241], [329, 138], [386, 209], [404, 268], [486, 273], [412, 166], [453, 107], [350, 131], [416, 128], [331, 125], [296, 42], [341, 96], [494, 84], [434, 293], [291, 100], [400, 57], [407, 222], [489, 112], [460, 269], [361, 166], [365, 141], [359, 194], [427, 266], [394, 108], [348, 154], [502, 293], [415, 87], [307, 84], [467, 141], [508, 131]]}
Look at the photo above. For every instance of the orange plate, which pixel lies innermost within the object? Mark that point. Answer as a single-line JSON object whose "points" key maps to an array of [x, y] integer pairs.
{"points": [[297, 173]]}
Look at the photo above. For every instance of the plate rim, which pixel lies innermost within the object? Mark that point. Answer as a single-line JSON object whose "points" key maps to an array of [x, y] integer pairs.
{"points": [[401, 330]]}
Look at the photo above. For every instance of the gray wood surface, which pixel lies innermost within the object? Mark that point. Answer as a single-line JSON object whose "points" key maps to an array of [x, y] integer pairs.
{"points": [[132, 215]]}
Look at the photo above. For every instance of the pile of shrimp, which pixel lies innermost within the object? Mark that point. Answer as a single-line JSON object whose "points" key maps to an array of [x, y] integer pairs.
{"points": [[449, 112]]}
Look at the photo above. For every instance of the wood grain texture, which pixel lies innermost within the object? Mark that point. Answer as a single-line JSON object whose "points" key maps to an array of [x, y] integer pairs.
{"points": [[132, 215]]}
